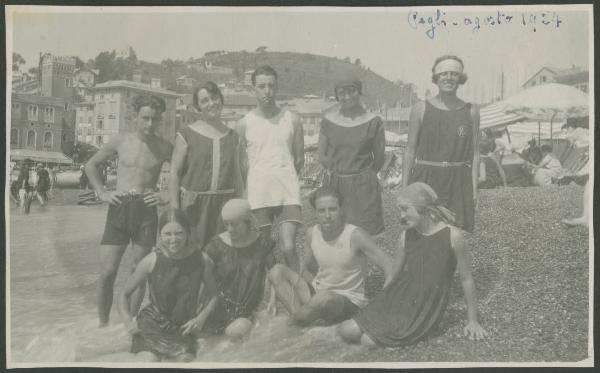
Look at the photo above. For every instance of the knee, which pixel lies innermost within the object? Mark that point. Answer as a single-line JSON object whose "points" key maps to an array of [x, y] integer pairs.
{"points": [[108, 275], [349, 331], [238, 328], [276, 273]]}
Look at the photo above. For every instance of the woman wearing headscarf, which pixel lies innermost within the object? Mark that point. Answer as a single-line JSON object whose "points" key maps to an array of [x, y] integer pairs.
{"points": [[242, 256], [443, 134], [205, 167], [413, 302], [352, 149]]}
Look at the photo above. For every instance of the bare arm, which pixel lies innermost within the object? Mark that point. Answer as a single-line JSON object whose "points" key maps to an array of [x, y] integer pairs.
{"points": [[379, 146], [177, 162], [298, 145], [475, 165], [240, 128], [414, 125], [482, 174], [142, 270], [463, 260], [308, 266], [362, 241], [399, 260], [322, 149], [93, 172]]}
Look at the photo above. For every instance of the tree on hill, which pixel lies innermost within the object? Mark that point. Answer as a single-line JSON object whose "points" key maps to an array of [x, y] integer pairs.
{"points": [[261, 49], [357, 62], [17, 61], [347, 59]]}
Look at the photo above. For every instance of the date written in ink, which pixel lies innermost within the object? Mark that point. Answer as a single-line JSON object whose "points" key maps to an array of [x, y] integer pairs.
{"points": [[432, 23]]}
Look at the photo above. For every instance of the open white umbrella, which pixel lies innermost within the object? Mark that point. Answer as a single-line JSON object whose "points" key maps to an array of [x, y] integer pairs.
{"points": [[548, 102]]}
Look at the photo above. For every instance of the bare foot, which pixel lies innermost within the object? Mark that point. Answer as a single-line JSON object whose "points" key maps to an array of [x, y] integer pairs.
{"points": [[574, 222]]}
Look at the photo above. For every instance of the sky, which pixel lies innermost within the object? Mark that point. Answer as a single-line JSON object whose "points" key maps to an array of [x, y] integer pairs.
{"points": [[390, 41]]}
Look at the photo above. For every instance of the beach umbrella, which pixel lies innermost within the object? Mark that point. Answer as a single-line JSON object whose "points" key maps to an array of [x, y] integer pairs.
{"points": [[548, 102]]}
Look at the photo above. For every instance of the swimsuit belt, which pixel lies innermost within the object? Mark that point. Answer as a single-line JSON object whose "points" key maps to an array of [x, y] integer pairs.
{"points": [[366, 170], [442, 164], [218, 191]]}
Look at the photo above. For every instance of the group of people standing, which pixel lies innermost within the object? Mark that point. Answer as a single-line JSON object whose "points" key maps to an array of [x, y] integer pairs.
{"points": [[32, 182], [214, 258]]}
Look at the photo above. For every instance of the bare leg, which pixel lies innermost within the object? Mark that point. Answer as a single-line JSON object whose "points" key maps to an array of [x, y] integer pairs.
{"points": [[147, 356], [583, 219], [323, 305], [290, 288], [137, 297], [40, 198], [350, 331], [287, 236], [110, 257]]}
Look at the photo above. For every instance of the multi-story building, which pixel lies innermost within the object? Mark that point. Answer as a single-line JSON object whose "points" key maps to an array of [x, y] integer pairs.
{"points": [[40, 123], [310, 109], [56, 73], [83, 80], [111, 111], [573, 76]]}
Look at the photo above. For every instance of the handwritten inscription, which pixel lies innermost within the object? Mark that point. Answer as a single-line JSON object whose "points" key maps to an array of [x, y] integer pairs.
{"points": [[431, 24]]}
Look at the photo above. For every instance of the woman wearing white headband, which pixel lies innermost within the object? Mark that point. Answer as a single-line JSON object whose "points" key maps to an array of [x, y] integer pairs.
{"points": [[442, 138]]}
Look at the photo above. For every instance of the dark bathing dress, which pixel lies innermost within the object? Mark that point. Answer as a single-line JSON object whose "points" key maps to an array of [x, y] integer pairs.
{"points": [[447, 136], [174, 286], [412, 306], [209, 180], [350, 154], [240, 277]]}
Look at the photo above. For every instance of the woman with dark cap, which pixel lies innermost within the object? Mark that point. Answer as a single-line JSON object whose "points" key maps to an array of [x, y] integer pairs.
{"points": [[205, 167], [443, 134], [351, 148]]}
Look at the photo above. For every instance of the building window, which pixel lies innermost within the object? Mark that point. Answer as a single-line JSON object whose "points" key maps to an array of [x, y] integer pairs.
{"points": [[16, 110], [99, 124], [98, 140], [14, 136], [543, 80], [68, 83], [48, 140], [32, 112], [31, 139], [66, 107], [49, 114]]}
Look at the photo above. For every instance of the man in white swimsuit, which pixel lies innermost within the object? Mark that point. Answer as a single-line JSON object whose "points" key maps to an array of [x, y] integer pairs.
{"points": [[336, 253], [275, 146]]}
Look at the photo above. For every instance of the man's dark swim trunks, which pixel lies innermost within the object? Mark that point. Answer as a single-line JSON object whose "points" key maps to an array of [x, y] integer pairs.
{"points": [[132, 220]]}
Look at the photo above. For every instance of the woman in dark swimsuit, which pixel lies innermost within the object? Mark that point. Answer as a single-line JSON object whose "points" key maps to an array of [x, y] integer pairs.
{"points": [[442, 138]]}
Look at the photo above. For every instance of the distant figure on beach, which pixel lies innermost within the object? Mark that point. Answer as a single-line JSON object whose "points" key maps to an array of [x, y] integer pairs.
{"points": [[132, 213], [205, 167], [43, 184], [352, 150], [181, 292], [25, 188], [548, 168], [242, 256], [413, 303], [491, 173], [443, 137], [331, 283], [275, 146], [84, 182]]}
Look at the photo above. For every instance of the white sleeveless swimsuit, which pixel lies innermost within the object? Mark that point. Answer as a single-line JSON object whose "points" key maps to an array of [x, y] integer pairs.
{"points": [[272, 177], [340, 270]]}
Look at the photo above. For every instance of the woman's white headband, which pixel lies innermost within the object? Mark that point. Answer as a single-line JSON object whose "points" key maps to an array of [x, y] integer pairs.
{"points": [[449, 65]]}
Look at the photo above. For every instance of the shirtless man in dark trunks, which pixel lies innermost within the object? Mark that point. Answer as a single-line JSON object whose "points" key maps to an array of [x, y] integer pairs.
{"points": [[132, 215]]}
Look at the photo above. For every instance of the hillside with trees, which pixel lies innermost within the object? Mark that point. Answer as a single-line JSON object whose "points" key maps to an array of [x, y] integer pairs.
{"points": [[300, 73]]}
